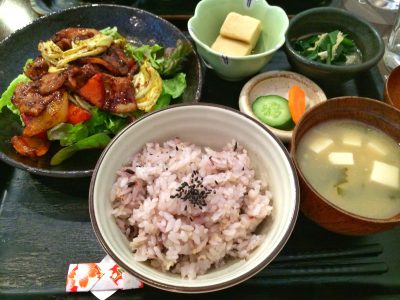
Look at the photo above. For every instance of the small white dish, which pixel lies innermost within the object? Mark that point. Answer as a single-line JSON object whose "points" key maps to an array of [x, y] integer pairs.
{"points": [[278, 83]]}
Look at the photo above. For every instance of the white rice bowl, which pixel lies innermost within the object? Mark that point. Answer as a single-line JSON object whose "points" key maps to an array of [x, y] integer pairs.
{"points": [[207, 126]]}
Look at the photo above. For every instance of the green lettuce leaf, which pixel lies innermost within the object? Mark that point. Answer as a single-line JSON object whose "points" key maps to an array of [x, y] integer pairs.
{"points": [[68, 134], [104, 122], [167, 62], [114, 124], [175, 86], [5, 100], [113, 32], [174, 58], [172, 89], [162, 101], [144, 52], [100, 122]]}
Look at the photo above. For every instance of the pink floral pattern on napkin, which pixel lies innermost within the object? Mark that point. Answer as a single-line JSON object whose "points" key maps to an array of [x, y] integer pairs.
{"points": [[99, 277]]}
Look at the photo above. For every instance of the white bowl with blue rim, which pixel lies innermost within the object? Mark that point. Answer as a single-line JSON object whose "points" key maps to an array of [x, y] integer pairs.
{"points": [[208, 18]]}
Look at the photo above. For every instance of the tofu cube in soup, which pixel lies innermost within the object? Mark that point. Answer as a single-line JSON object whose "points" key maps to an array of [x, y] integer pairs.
{"points": [[385, 174], [341, 158], [320, 144]]}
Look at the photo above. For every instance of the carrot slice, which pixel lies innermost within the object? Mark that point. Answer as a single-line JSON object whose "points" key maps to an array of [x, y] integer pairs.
{"points": [[297, 103], [93, 90], [32, 147], [77, 114]]}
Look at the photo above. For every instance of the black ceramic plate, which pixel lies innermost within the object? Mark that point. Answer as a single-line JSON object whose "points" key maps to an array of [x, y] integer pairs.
{"points": [[137, 25]]}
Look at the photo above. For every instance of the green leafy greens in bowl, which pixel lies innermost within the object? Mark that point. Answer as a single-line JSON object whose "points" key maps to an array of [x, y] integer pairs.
{"points": [[329, 48]]}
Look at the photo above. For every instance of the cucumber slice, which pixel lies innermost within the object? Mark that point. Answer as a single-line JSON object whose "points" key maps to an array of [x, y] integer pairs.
{"points": [[274, 111]]}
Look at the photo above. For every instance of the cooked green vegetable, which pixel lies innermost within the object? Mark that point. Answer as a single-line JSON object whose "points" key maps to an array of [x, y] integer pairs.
{"points": [[330, 48], [99, 140], [274, 111], [342, 179]]}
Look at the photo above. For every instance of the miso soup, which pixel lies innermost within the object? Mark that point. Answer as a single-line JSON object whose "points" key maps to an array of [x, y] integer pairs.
{"points": [[353, 165]]}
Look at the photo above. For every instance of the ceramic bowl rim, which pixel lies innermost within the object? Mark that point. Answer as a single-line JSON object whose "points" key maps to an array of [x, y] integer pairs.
{"points": [[395, 219], [211, 287], [207, 48], [335, 68]]}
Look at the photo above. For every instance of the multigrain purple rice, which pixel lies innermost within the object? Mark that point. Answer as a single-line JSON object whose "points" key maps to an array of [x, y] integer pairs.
{"points": [[184, 212]]}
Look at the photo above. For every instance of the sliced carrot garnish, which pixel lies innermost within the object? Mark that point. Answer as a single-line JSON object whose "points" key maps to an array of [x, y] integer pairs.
{"points": [[297, 103]]}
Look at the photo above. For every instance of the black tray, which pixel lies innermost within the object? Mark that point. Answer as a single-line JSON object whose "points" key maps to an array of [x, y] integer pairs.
{"points": [[170, 7], [45, 226]]}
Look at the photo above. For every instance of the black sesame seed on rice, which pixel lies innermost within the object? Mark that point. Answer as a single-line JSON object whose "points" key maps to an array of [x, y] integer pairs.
{"points": [[194, 192]]}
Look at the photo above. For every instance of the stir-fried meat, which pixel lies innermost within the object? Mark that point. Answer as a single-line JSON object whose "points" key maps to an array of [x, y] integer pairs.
{"points": [[119, 94], [32, 147], [114, 61], [108, 92], [56, 112], [116, 57], [37, 68], [65, 37], [29, 100], [97, 61], [51, 82], [77, 76]]}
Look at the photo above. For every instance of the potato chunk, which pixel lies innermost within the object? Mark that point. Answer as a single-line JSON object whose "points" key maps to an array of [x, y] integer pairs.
{"points": [[56, 112]]}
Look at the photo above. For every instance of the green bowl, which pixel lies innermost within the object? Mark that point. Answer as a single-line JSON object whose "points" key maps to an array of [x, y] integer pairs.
{"points": [[204, 28], [327, 19]]}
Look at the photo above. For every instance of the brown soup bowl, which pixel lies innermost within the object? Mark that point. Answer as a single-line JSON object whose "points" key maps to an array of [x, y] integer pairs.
{"points": [[313, 205], [392, 88]]}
